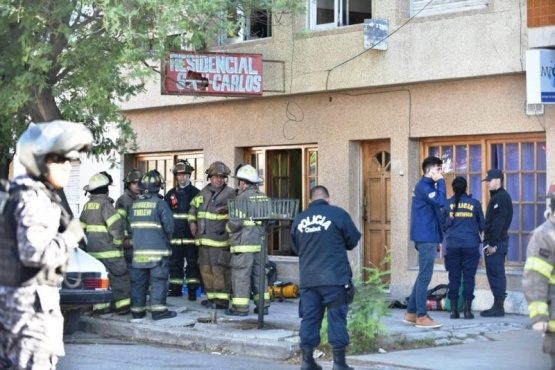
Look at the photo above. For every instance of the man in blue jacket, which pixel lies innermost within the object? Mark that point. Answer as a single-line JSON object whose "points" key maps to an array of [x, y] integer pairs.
{"points": [[321, 236], [428, 199]]}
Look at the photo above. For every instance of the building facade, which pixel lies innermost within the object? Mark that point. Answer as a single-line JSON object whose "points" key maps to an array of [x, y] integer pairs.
{"points": [[340, 111]]}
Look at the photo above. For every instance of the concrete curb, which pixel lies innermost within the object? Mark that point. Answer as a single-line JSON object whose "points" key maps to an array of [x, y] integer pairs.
{"points": [[231, 342]]}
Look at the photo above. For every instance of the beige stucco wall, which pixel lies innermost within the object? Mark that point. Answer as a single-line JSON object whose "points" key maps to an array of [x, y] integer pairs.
{"points": [[337, 123]]}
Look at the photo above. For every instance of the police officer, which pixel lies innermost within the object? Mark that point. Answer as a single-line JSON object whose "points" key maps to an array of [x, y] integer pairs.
{"points": [[464, 224], [208, 218], [246, 244], [537, 282], [499, 215], [104, 228], [123, 206], [152, 223], [41, 235], [183, 243], [321, 236]]}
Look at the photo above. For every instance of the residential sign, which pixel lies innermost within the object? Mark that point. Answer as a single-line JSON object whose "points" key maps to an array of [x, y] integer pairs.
{"points": [[540, 76], [213, 74]]}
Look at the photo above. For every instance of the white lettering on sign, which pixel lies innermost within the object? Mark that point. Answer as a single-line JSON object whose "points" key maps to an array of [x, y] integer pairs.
{"points": [[313, 223]]}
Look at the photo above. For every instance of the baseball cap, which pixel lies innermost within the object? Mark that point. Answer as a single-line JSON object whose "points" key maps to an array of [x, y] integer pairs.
{"points": [[494, 174]]}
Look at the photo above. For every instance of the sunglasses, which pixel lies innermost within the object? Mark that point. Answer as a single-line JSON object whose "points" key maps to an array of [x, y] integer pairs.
{"points": [[56, 158]]}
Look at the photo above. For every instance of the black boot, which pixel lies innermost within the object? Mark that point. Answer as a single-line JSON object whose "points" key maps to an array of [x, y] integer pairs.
{"points": [[192, 293], [175, 291], [339, 362], [455, 308], [308, 360], [468, 310], [496, 310], [163, 315]]}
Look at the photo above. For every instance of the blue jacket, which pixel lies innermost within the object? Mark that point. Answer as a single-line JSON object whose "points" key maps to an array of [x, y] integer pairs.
{"points": [[321, 236], [464, 226], [428, 199]]}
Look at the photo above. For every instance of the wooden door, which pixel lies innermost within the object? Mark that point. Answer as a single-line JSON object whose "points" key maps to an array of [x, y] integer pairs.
{"points": [[376, 202]]}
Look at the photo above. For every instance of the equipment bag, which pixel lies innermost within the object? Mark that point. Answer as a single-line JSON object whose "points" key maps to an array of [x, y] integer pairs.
{"points": [[281, 290], [436, 297], [271, 272]]}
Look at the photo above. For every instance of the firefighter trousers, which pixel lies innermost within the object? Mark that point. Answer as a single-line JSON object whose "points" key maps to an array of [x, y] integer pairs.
{"points": [[191, 277], [245, 277], [157, 278], [120, 283], [216, 274]]}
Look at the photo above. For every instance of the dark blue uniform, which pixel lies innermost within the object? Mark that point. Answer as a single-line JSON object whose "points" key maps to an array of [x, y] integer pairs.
{"points": [[463, 224], [499, 216], [321, 236]]}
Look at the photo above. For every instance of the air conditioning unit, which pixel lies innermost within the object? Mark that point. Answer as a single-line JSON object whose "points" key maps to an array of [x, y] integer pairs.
{"points": [[535, 109]]}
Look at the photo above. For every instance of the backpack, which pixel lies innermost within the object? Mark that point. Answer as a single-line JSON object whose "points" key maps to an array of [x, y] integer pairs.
{"points": [[271, 272]]}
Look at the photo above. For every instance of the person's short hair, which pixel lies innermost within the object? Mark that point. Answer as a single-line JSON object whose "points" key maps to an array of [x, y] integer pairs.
{"points": [[431, 161], [319, 192]]}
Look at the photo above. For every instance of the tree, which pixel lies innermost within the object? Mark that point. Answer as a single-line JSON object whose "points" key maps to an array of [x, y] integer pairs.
{"points": [[77, 59]]}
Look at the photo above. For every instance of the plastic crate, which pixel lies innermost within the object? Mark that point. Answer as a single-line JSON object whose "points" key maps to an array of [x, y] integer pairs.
{"points": [[263, 209]]}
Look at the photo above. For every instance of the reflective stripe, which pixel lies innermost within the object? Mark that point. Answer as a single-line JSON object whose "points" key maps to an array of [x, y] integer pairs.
{"points": [[192, 281], [181, 216], [138, 309], [539, 265], [107, 254], [217, 295], [123, 303], [240, 301], [538, 309], [158, 308], [266, 296], [101, 306], [182, 241], [193, 218], [212, 216], [245, 248], [146, 225], [122, 212], [113, 219], [117, 241], [551, 325], [252, 223], [83, 225], [176, 281], [197, 201], [203, 242], [96, 229], [150, 255]]}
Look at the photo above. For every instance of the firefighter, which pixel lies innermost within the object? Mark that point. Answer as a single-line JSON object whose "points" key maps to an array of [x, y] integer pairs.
{"points": [[209, 215], [183, 242], [42, 235], [246, 244], [537, 281], [104, 228], [152, 223], [123, 206]]}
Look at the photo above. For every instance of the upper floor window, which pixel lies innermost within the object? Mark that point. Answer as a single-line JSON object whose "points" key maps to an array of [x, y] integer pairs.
{"points": [[328, 14], [426, 8], [253, 24]]}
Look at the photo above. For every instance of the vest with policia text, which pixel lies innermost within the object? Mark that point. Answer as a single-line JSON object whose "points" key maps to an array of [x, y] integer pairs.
{"points": [[152, 223]]}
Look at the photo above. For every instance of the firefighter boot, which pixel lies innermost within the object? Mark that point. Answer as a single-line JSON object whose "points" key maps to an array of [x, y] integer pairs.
{"points": [[163, 315], [496, 310], [192, 293], [468, 310], [455, 308], [308, 360], [175, 291], [339, 362]]}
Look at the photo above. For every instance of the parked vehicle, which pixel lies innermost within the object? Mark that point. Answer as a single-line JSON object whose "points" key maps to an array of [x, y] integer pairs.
{"points": [[85, 284]]}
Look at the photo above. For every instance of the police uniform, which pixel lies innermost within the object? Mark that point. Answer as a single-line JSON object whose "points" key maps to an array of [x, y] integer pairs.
{"points": [[183, 243], [152, 223], [246, 239], [103, 226]]}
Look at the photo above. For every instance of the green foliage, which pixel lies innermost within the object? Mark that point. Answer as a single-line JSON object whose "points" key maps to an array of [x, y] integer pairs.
{"points": [[365, 313], [79, 59]]}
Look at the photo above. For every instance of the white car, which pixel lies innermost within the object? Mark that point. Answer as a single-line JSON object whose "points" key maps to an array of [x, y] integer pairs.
{"points": [[85, 284]]}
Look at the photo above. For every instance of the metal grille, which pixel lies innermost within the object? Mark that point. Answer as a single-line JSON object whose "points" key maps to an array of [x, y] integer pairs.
{"points": [[264, 209]]}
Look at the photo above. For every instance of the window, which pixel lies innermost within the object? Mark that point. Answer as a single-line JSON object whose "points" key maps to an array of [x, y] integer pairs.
{"points": [[254, 24], [426, 8], [164, 164], [523, 161], [328, 14], [288, 172]]}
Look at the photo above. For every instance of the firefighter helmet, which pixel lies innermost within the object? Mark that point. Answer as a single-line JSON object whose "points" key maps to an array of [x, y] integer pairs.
{"points": [[218, 168], [248, 173], [182, 166], [132, 176], [63, 138], [151, 182], [98, 180]]}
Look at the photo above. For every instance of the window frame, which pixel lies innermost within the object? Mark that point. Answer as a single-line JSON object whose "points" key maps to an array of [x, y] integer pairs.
{"points": [[341, 12]]}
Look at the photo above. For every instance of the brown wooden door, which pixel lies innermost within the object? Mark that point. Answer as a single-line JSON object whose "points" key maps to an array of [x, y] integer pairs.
{"points": [[376, 202]]}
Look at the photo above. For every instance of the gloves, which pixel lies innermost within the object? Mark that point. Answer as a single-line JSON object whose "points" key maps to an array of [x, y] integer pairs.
{"points": [[540, 326], [74, 232], [222, 210]]}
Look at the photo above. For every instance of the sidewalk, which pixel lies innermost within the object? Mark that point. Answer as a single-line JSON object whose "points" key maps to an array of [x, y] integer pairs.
{"points": [[482, 343]]}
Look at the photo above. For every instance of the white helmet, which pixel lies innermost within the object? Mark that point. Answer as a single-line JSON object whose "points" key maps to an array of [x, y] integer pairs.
{"points": [[98, 180], [64, 138], [248, 173]]}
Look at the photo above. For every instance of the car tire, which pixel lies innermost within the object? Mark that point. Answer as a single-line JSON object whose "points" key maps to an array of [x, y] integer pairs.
{"points": [[71, 321]]}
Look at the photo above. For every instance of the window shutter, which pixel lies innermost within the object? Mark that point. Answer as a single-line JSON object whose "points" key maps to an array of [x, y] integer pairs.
{"points": [[445, 6], [73, 190]]}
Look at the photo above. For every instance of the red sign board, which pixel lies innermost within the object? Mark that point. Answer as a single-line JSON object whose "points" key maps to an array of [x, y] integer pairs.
{"points": [[213, 74]]}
